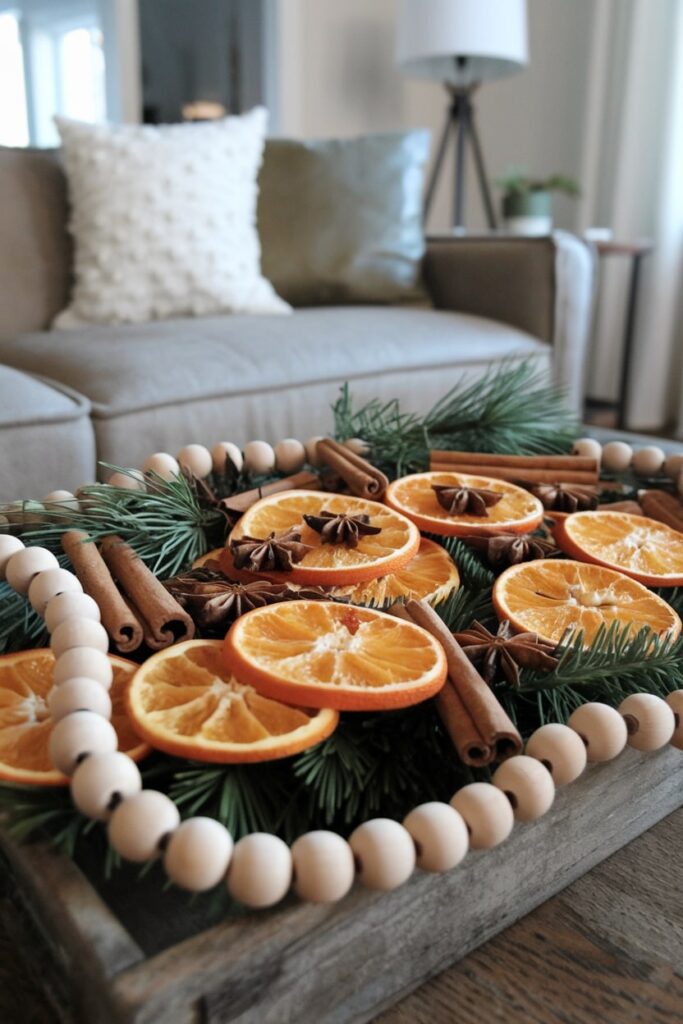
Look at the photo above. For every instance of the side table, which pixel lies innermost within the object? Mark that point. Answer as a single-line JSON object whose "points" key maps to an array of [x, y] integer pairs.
{"points": [[635, 250]]}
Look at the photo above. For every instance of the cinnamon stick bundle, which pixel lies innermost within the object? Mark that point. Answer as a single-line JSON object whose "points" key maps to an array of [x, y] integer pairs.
{"points": [[513, 474], [664, 507], [165, 621], [493, 726], [239, 503], [120, 621], [557, 462], [362, 478]]}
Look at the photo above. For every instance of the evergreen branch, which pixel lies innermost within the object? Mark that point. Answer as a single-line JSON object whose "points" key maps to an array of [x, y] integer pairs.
{"points": [[473, 573], [463, 606]]}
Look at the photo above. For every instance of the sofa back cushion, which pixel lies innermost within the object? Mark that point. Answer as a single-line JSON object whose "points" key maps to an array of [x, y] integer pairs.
{"points": [[35, 249]]}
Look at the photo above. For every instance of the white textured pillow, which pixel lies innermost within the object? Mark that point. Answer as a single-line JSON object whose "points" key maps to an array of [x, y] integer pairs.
{"points": [[164, 220]]}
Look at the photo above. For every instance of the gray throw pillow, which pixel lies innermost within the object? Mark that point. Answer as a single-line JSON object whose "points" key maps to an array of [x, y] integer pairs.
{"points": [[340, 220]]}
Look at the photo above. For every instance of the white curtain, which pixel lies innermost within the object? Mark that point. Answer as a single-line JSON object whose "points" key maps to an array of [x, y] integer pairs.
{"points": [[633, 183]]}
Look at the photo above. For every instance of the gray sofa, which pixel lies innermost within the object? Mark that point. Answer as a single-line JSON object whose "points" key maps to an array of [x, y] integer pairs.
{"points": [[69, 398]]}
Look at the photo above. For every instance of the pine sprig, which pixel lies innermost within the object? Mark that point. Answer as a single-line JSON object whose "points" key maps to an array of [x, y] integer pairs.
{"points": [[512, 409], [473, 573], [166, 524]]}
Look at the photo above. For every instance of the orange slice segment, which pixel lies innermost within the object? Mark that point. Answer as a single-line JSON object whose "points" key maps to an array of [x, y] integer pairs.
{"points": [[550, 596], [184, 700], [643, 548], [330, 655], [333, 564], [517, 512], [25, 722]]}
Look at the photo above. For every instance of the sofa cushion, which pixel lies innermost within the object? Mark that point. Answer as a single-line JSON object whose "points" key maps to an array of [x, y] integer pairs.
{"points": [[160, 385], [46, 437]]}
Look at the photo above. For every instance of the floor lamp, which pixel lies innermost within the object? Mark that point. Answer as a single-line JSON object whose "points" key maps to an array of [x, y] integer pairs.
{"points": [[461, 43]]}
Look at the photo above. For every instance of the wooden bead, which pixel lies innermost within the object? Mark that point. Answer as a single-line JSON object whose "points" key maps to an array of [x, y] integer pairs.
{"points": [[226, 450], [138, 826], [131, 480], [77, 632], [260, 872], [61, 498], [440, 835], [198, 854], [259, 458], [602, 730], [560, 749], [83, 661], [77, 736], [48, 584], [384, 853], [101, 781], [162, 465], [196, 458], [9, 546], [290, 456], [357, 445], [648, 461], [675, 702], [323, 866], [588, 448], [311, 446], [650, 721], [70, 604], [528, 786], [79, 694], [616, 456], [23, 566], [487, 813], [673, 464]]}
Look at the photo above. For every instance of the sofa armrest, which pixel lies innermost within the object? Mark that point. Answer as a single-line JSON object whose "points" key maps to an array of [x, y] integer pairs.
{"points": [[542, 286]]}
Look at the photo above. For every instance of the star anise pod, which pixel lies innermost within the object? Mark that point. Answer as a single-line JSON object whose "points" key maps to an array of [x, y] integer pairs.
{"points": [[511, 548], [338, 528], [470, 501], [565, 497], [277, 552], [215, 601], [505, 651]]}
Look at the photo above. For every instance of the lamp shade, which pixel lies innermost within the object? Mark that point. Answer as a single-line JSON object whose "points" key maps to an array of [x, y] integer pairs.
{"points": [[462, 41]]}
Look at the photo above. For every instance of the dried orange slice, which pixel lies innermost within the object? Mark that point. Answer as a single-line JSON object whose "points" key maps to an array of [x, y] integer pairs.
{"points": [[643, 548], [25, 722], [517, 512], [550, 596], [184, 700], [331, 655], [333, 564]]}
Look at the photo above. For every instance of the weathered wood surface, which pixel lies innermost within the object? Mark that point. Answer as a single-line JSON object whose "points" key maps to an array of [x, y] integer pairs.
{"points": [[608, 948], [344, 963]]}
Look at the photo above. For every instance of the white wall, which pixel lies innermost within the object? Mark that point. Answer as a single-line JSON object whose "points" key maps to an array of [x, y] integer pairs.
{"points": [[337, 77]]}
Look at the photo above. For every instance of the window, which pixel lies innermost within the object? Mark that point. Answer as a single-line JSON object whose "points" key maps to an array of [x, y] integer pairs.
{"points": [[51, 62]]}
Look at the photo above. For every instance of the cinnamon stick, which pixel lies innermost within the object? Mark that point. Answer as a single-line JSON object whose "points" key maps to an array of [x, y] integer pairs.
{"points": [[239, 503], [632, 507], [663, 507], [121, 623], [166, 620], [489, 717], [362, 478], [564, 462], [514, 474]]}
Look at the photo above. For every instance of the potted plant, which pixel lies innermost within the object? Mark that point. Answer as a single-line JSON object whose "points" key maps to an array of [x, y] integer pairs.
{"points": [[527, 202]]}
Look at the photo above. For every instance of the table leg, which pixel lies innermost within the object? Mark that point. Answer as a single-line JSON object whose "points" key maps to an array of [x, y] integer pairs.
{"points": [[629, 337]]}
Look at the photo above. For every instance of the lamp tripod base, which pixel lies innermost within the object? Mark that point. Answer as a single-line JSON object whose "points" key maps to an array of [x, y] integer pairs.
{"points": [[460, 122]]}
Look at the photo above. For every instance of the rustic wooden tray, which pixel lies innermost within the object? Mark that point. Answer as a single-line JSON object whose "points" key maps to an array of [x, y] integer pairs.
{"points": [[131, 953]]}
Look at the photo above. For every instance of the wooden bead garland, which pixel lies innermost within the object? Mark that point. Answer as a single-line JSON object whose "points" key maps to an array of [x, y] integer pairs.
{"points": [[560, 749], [9, 546], [486, 812], [162, 465], [601, 728], [290, 456], [226, 450], [196, 458], [528, 785], [616, 456], [51, 583], [384, 852], [259, 457], [25, 564], [198, 853], [650, 721], [675, 702]]}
